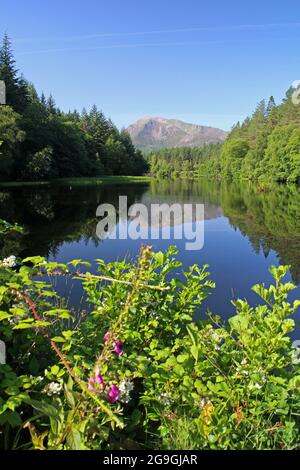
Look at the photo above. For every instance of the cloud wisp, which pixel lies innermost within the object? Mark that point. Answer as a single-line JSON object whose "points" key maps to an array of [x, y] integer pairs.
{"points": [[81, 37], [144, 44]]}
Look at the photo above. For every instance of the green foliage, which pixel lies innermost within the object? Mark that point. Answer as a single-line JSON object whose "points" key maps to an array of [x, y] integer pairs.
{"points": [[186, 161], [235, 386], [40, 165], [11, 135], [6, 228], [233, 152], [137, 370], [265, 147]]}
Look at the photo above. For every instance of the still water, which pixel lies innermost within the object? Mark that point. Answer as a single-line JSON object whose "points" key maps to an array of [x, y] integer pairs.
{"points": [[244, 231]]}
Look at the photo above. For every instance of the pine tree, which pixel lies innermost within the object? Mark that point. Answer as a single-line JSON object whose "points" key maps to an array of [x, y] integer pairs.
{"points": [[51, 105], [84, 113], [74, 116], [16, 87], [260, 111], [43, 101], [271, 105]]}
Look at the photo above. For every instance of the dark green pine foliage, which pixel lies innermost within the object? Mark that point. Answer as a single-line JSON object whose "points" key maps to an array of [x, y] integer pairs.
{"points": [[16, 89], [265, 147], [271, 142], [271, 105]]}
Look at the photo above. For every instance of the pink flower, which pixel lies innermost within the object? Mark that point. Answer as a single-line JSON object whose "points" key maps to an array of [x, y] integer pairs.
{"points": [[113, 394], [106, 337], [117, 343], [99, 378], [117, 348], [90, 386], [96, 379]]}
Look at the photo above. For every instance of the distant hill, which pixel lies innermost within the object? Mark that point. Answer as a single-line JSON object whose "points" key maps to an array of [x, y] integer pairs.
{"points": [[153, 133]]}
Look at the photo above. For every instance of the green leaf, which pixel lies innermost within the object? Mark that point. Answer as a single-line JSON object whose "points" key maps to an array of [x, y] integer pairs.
{"points": [[192, 333], [23, 326], [179, 370], [69, 395], [238, 323], [35, 260], [195, 352], [18, 311], [13, 418], [55, 369], [45, 408], [58, 339], [74, 439], [182, 358], [279, 272], [159, 257], [4, 316]]}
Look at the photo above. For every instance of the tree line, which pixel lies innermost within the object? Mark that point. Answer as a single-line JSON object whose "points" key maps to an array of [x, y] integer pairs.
{"points": [[183, 161], [265, 147], [40, 141]]}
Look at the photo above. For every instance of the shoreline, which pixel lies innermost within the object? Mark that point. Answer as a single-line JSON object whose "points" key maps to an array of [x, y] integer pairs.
{"points": [[79, 181]]}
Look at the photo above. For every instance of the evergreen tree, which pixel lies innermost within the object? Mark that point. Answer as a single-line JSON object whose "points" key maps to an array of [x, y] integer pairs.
{"points": [[51, 105], [43, 100], [16, 89], [271, 105], [43, 142]]}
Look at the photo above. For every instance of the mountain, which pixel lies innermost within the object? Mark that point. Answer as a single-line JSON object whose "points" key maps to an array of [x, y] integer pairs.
{"points": [[153, 133]]}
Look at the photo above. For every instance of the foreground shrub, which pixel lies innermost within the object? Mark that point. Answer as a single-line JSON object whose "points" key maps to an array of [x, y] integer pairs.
{"points": [[136, 370]]}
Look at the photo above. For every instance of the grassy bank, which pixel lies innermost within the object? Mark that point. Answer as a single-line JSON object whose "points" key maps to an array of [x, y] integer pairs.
{"points": [[83, 181]]}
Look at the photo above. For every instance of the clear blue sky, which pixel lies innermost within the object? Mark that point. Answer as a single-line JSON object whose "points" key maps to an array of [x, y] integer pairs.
{"points": [[207, 62]]}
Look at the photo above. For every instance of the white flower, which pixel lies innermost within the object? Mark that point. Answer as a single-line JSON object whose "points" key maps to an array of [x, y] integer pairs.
{"points": [[215, 336], [53, 388], [125, 388], [165, 399], [125, 398], [254, 386], [37, 379], [9, 262]]}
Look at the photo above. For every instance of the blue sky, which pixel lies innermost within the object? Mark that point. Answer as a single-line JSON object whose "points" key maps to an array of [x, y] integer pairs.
{"points": [[206, 62]]}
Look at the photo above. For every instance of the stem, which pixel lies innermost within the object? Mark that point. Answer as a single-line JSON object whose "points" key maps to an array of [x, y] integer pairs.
{"points": [[65, 362], [105, 278]]}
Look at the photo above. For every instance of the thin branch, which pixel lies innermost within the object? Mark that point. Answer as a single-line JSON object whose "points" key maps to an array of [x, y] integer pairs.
{"points": [[65, 362]]}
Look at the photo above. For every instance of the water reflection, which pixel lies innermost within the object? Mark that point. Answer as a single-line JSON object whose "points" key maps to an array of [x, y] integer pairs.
{"points": [[245, 230], [57, 215]]}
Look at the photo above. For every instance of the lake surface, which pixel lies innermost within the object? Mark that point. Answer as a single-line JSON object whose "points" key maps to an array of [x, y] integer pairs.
{"points": [[245, 231]]}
